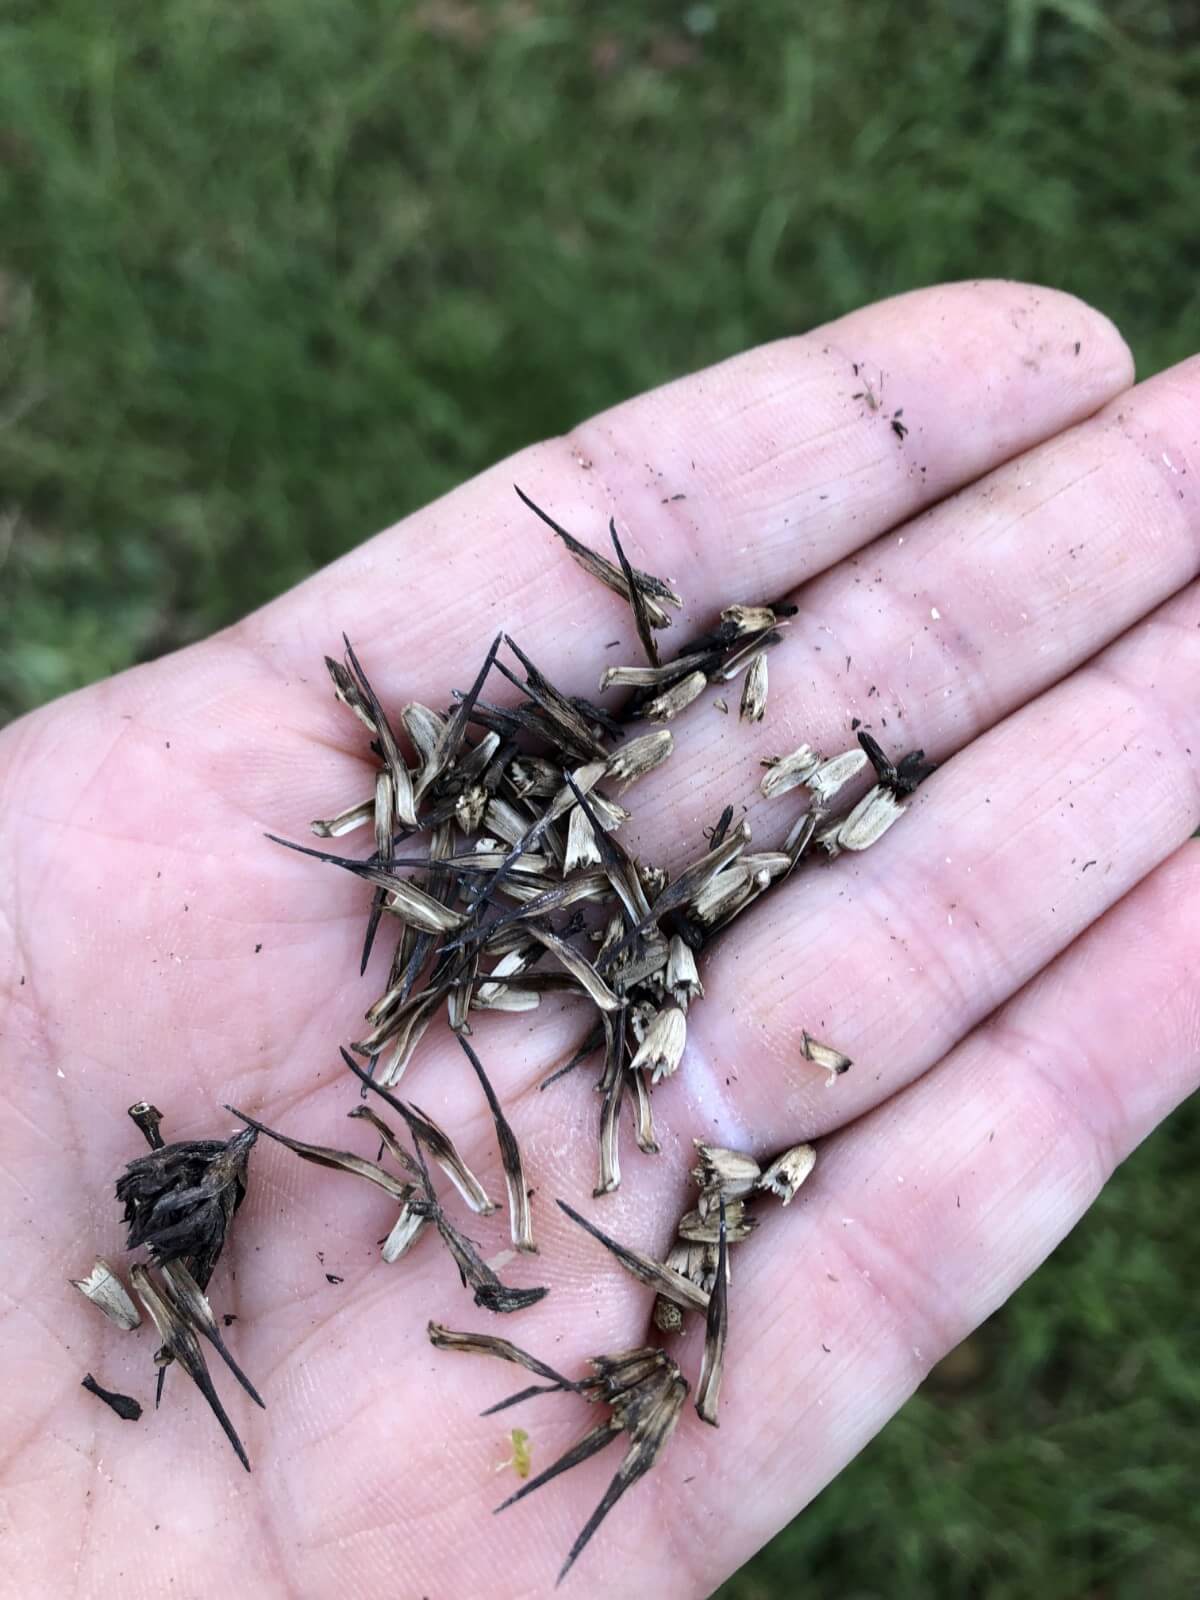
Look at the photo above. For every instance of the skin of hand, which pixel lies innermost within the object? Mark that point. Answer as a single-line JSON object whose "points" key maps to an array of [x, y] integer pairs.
{"points": [[1012, 585]]}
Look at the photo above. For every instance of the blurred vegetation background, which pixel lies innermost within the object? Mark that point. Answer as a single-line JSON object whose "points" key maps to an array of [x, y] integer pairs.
{"points": [[274, 272]]}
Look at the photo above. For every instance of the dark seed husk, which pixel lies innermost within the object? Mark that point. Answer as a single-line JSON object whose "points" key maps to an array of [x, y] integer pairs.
{"points": [[124, 1405]]}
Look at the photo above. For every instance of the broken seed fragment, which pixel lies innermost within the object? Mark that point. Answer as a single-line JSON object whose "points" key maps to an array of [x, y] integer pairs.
{"points": [[824, 1055], [788, 1171], [104, 1289]]}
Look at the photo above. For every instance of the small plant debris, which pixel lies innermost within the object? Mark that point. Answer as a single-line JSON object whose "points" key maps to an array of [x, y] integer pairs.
{"points": [[124, 1405]]}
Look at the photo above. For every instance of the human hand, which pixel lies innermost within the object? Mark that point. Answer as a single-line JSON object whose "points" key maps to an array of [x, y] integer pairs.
{"points": [[1010, 969]]}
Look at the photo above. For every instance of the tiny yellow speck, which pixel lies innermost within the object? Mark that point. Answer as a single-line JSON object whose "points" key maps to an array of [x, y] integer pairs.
{"points": [[519, 1460]]}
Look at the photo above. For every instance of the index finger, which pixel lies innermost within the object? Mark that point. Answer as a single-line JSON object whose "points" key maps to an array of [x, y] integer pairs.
{"points": [[740, 481]]}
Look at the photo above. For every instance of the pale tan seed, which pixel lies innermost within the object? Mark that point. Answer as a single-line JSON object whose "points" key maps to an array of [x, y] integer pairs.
{"points": [[668, 705], [107, 1293], [788, 1171], [754, 691]]}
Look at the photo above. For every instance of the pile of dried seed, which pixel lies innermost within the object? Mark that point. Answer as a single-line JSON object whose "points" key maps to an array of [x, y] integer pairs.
{"points": [[522, 889]]}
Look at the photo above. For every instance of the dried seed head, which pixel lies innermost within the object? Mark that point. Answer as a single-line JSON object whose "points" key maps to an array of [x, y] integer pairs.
{"points": [[682, 980], [677, 698], [740, 657], [789, 772], [754, 690], [731, 1172], [833, 774], [580, 968], [870, 820], [639, 756], [180, 1200], [824, 1055], [612, 934], [662, 1048], [475, 759], [748, 619], [785, 1174], [105, 1290]]}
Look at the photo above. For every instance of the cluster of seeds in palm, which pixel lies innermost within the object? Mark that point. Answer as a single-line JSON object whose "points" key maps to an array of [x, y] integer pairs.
{"points": [[496, 865]]}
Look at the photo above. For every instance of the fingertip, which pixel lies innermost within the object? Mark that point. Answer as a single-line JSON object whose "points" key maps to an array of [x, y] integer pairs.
{"points": [[1051, 332]]}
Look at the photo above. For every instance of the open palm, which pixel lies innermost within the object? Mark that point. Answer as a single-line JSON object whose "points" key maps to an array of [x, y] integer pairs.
{"points": [[1011, 586]]}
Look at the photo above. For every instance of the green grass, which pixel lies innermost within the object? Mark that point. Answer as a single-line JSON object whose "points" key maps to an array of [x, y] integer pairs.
{"points": [[272, 274]]}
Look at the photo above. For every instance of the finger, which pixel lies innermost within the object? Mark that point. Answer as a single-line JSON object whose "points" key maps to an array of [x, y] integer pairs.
{"points": [[955, 619], [782, 471], [1006, 855], [923, 1218]]}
